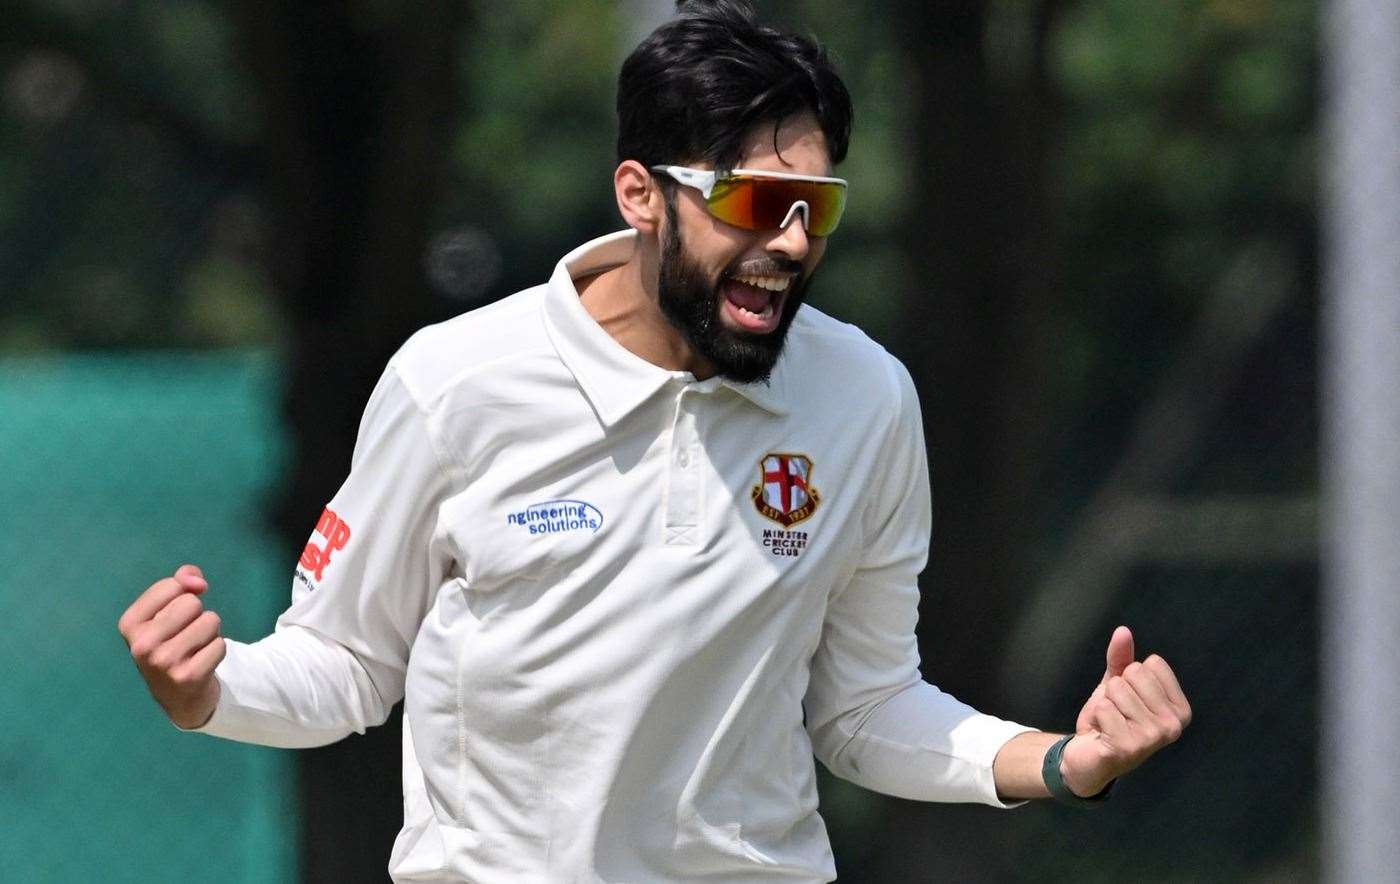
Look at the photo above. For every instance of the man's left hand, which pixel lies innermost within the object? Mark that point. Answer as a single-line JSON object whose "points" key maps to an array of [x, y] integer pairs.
{"points": [[1137, 708]]}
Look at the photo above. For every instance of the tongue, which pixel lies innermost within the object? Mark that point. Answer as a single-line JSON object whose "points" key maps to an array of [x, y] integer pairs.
{"points": [[750, 297]]}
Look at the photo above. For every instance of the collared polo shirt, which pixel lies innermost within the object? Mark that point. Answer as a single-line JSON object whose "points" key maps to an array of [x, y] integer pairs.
{"points": [[624, 607]]}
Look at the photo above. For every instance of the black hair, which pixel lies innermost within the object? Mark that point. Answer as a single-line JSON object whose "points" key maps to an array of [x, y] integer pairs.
{"points": [[695, 88]]}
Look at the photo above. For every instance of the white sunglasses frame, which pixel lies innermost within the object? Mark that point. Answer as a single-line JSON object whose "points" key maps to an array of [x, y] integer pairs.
{"points": [[704, 180]]}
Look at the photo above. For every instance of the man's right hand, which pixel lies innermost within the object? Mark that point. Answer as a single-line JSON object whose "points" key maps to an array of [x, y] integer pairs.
{"points": [[176, 645]]}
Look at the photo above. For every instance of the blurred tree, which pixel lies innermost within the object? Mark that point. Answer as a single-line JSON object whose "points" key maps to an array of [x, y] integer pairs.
{"points": [[982, 311], [109, 172], [356, 98]]}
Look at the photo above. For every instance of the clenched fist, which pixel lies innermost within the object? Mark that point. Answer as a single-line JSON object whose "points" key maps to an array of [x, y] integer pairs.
{"points": [[1137, 708], [176, 645]]}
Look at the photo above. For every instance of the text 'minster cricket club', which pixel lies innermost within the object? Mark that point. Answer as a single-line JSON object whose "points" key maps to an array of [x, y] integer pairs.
{"points": [[335, 531]]}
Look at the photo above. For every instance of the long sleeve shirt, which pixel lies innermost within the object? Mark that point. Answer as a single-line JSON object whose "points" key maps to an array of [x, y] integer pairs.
{"points": [[624, 607]]}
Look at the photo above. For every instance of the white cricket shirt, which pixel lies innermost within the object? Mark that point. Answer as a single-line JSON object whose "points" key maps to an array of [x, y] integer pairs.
{"points": [[607, 592]]}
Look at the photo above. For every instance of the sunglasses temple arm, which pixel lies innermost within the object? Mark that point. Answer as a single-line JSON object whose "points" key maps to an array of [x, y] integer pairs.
{"points": [[700, 179]]}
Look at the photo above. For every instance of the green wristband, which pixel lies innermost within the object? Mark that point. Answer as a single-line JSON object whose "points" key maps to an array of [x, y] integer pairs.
{"points": [[1050, 772]]}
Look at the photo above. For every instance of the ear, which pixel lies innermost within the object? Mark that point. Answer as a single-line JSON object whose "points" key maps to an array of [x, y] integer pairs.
{"points": [[638, 197]]}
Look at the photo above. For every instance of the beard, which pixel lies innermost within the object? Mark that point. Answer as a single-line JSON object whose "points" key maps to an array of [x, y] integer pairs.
{"points": [[691, 303]]}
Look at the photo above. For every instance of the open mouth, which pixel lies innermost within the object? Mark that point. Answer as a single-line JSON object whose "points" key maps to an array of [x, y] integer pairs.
{"points": [[754, 303]]}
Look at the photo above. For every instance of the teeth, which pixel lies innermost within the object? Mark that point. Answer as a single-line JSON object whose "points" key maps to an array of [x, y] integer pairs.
{"points": [[771, 283], [764, 314]]}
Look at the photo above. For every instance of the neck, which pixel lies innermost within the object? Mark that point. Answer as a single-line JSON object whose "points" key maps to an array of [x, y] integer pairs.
{"points": [[623, 300]]}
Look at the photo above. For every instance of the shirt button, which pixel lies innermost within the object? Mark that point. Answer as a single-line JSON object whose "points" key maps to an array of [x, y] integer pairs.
{"points": [[684, 459]]}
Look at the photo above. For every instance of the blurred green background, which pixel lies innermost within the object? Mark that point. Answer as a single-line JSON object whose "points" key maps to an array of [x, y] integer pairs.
{"points": [[109, 467], [1089, 227]]}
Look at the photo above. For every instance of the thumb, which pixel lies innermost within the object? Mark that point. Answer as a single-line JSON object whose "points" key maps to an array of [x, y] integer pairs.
{"points": [[190, 577], [1120, 652]]}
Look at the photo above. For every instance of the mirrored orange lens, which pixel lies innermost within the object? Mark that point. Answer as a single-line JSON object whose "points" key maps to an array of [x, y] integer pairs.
{"points": [[763, 203]]}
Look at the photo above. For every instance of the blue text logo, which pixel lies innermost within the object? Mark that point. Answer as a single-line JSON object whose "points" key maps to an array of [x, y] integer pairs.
{"points": [[557, 517]]}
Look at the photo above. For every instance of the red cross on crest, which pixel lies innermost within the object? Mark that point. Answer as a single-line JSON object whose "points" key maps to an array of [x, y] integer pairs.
{"points": [[784, 492]]}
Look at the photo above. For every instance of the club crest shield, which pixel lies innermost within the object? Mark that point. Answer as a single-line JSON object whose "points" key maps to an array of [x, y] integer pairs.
{"points": [[784, 492]]}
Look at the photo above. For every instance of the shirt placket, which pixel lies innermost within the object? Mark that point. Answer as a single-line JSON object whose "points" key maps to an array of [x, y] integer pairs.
{"points": [[684, 489]]}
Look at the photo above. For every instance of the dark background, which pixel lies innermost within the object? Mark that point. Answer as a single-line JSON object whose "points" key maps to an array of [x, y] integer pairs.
{"points": [[1087, 226]]}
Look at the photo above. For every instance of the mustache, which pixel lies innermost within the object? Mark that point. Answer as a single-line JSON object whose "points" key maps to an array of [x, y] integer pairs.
{"points": [[768, 266]]}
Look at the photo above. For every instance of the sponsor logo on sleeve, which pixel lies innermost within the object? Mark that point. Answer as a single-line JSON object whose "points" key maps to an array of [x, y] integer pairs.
{"points": [[334, 534]]}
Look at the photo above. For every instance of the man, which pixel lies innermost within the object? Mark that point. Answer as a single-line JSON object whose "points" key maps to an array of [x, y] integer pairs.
{"points": [[635, 544]]}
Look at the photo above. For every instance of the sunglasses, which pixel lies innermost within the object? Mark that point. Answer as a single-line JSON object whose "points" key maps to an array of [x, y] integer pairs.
{"points": [[756, 200]]}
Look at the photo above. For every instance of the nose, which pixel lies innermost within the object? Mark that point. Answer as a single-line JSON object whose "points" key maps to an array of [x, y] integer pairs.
{"points": [[791, 240]]}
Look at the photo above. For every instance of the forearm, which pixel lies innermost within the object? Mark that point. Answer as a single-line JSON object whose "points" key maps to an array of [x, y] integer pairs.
{"points": [[293, 689], [919, 743], [1017, 768]]}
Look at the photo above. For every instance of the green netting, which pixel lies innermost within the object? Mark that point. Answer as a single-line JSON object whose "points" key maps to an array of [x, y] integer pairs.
{"points": [[113, 471]]}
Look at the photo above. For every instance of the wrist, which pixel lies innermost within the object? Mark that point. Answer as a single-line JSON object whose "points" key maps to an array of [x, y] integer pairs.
{"points": [[196, 714], [1067, 785], [1076, 779]]}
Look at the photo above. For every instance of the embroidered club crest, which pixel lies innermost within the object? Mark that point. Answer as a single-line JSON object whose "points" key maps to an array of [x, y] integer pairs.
{"points": [[784, 492]]}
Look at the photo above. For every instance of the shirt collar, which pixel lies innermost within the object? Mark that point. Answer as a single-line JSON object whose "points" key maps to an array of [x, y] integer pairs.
{"points": [[614, 379]]}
